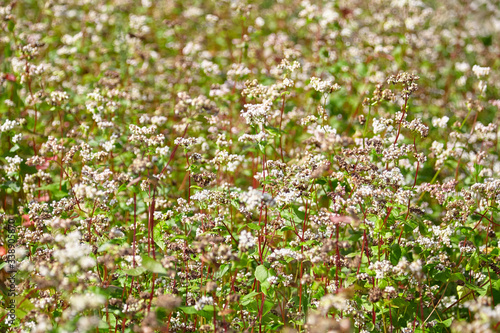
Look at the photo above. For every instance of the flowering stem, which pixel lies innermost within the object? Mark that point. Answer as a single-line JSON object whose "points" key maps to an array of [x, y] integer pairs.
{"points": [[401, 120], [362, 250], [467, 117], [173, 151], [389, 209], [418, 162], [281, 120], [135, 230], [337, 261], [261, 311]]}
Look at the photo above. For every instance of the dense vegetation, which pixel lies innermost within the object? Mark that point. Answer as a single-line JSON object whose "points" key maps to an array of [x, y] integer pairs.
{"points": [[241, 166]]}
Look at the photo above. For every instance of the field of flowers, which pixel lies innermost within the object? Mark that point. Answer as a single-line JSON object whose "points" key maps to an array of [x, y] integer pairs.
{"points": [[249, 166]]}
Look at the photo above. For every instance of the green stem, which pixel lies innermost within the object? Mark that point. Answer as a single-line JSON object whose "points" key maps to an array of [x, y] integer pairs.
{"points": [[468, 114]]}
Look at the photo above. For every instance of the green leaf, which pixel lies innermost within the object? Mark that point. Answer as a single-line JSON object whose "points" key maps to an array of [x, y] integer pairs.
{"points": [[447, 322], [24, 307], [134, 271], [395, 254], [14, 148], [399, 303], [152, 265], [268, 306], [495, 292], [158, 236], [457, 276], [54, 189], [14, 186], [122, 188], [104, 247], [320, 181], [253, 226], [261, 273], [305, 298], [242, 263], [265, 286], [273, 131], [207, 312], [443, 276], [112, 319], [223, 269], [301, 215], [382, 284], [188, 309], [262, 146], [247, 299], [474, 287]]}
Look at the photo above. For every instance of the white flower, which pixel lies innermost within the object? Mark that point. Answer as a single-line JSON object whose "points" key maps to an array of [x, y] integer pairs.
{"points": [[87, 262], [462, 66], [162, 151], [108, 145], [336, 301], [209, 67], [290, 66], [73, 250], [323, 86], [416, 266], [8, 125], [201, 196], [58, 96], [87, 301], [238, 70], [285, 198], [246, 240], [256, 113], [401, 267], [87, 323], [379, 126], [279, 254], [211, 18], [480, 71], [254, 198], [261, 136], [440, 122], [380, 268], [287, 82], [482, 86], [116, 233], [186, 142], [437, 147], [12, 163], [204, 300], [272, 280]]}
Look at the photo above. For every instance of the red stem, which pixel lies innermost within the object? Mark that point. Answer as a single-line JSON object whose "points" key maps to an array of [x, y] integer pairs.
{"points": [[281, 120], [401, 120]]}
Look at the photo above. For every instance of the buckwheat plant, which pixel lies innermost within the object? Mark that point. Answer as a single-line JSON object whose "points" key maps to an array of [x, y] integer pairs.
{"points": [[249, 166]]}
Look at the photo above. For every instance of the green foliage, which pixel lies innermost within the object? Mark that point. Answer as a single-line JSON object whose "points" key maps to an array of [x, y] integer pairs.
{"points": [[235, 166]]}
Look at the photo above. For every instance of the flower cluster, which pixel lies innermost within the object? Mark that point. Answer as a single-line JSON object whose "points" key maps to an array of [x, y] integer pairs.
{"points": [[237, 166]]}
